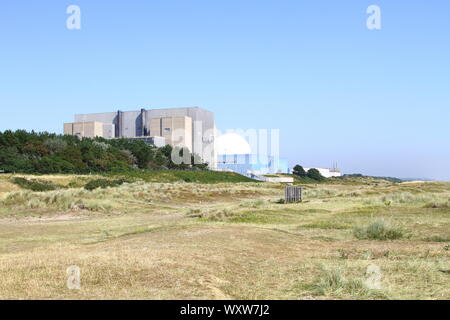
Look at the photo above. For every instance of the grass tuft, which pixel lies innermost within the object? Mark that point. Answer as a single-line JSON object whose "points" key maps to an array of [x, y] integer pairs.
{"points": [[378, 230], [333, 283]]}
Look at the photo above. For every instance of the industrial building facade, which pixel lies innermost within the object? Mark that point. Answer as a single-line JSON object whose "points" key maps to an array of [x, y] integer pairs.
{"points": [[192, 128], [252, 164]]}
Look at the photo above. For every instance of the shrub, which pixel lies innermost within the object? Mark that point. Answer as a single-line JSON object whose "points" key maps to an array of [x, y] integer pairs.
{"points": [[378, 230], [104, 183], [35, 184], [315, 175], [299, 171]]}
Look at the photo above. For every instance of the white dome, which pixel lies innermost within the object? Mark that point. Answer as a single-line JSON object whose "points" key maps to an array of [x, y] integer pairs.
{"points": [[232, 143]]}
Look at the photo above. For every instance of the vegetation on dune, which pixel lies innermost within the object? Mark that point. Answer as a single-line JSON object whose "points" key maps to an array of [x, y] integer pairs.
{"points": [[304, 250], [348, 179], [112, 195], [35, 184], [361, 176], [62, 200], [44, 153], [315, 175], [378, 230], [104, 183], [111, 180], [333, 283], [191, 176]]}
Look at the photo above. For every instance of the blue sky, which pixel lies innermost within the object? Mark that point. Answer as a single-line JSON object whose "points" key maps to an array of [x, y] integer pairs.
{"points": [[377, 102]]}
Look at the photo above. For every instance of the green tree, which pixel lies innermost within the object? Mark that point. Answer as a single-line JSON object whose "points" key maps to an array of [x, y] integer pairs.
{"points": [[299, 171], [315, 175]]}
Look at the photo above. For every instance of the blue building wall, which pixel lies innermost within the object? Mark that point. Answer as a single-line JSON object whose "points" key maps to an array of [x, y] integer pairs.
{"points": [[246, 163]]}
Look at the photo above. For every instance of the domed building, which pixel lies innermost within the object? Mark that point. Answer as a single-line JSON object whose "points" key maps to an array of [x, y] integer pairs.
{"points": [[234, 153], [232, 144]]}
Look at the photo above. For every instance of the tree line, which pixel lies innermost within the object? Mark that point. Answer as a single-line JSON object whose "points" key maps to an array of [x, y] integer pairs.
{"points": [[31, 152]]}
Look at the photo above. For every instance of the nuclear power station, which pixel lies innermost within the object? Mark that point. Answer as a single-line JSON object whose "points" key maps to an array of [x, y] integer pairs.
{"points": [[192, 128]]}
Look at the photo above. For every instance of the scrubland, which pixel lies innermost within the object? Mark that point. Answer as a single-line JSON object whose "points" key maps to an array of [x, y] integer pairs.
{"points": [[147, 239]]}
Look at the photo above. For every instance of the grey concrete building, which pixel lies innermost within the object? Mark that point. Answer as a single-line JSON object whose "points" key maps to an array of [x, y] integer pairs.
{"points": [[193, 128]]}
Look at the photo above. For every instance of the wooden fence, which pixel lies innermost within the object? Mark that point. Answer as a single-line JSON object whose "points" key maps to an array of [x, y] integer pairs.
{"points": [[293, 194]]}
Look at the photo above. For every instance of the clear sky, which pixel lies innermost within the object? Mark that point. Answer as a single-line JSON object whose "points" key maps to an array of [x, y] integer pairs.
{"points": [[375, 101]]}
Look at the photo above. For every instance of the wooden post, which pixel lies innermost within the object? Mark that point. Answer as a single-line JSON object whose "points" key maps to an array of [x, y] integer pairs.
{"points": [[292, 194]]}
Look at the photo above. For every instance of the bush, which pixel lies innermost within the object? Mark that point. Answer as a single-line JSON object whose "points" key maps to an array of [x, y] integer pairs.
{"points": [[378, 230], [315, 175], [35, 184], [299, 171], [104, 183]]}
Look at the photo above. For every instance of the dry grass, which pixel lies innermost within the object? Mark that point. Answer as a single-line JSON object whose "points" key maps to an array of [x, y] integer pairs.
{"points": [[223, 241]]}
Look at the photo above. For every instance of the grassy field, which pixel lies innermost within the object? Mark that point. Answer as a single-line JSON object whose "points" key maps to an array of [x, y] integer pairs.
{"points": [[186, 236]]}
